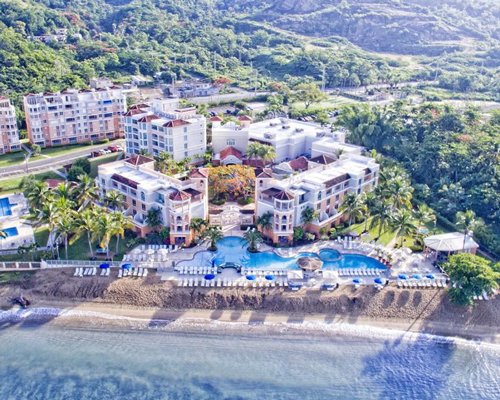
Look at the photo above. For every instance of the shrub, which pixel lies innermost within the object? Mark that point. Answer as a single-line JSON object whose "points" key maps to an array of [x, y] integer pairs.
{"points": [[74, 172], [218, 201], [83, 163]]}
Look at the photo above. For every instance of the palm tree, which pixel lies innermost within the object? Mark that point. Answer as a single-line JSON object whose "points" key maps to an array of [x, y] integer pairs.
{"points": [[403, 224], [309, 215], [267, 153], [154, 219], [114, 200], [214, 234], [65, 227], [36, 192], [424, 214], [86, 191], [88, 222], [64, 191], [352, 206], [467, 221], [197, 225], [253, 150], [253, 237], [381, 215], [105, 230], [265, 221], [370, 202], [118, 226]]}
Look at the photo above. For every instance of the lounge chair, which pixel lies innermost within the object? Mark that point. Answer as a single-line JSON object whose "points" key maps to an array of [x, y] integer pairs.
{"points": [[485, 296], [120, 273], [108, 271], [94, 271], [77, 272], [103, 271]]}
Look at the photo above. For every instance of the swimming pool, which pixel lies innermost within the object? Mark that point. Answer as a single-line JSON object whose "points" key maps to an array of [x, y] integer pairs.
{"points": [[10, 232], [5, 207], [233, 249]]}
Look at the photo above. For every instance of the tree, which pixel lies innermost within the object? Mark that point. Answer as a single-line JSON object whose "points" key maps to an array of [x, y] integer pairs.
{"points": [[352, 206], [298, 233], [233, 180], [198, 225], [119, 224], [381, 216], [309, 215], [105, 230], [468, 222], [470, 276], [253, 237], [403, 224], [154, 218], [262, 151], [309, 93], [86, 192], [65, 227], [84, 164], [75, 173], [87, 222], [370, 202], [114, 200], [213, 234], [424, 214], [265, 221]]}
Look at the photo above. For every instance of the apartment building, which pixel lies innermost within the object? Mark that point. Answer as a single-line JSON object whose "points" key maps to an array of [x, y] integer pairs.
{"points": [[73, 116], [290, 138], [163, 126], [322, 188], [9, 134], [179, 199]]}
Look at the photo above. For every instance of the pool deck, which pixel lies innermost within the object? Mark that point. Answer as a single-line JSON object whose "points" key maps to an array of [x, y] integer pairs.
{"points": [[25, 236]]}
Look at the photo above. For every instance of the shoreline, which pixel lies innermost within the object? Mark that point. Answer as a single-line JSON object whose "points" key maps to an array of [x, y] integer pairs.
{"points": [[65, 314]]}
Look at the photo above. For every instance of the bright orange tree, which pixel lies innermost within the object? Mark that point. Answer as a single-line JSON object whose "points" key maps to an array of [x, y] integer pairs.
{"points": [[232, 181]]}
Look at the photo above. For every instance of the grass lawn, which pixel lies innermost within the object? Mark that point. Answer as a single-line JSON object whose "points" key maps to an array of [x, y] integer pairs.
{"points": [[95, 162], [79, 248], [41, 235], [10, 185], [330, 103], [12, 158]]}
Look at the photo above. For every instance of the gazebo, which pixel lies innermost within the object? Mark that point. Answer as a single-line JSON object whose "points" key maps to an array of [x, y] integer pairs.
{"points": [[450, 243], [309, 265]]}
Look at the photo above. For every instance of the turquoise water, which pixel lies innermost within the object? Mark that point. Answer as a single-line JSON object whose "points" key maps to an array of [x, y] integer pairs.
{"points": [[5, 207], [42, 362], [234, 250], [11, 231]]}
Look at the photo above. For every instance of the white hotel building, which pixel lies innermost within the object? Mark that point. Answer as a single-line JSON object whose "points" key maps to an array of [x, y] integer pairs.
{"points": [[322, 188], [73, 116], [163, 126], [179, 199], [9, 134]]}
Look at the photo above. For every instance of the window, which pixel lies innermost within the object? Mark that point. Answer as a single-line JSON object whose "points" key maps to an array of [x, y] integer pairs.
{"points": [[143, 196], [230, 142]]}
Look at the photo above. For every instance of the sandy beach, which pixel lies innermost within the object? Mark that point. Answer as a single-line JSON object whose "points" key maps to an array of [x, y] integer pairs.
{"points": [[124, 303]]}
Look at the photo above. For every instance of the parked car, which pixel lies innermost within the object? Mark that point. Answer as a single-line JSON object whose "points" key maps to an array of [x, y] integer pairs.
{"points": [[113, 149]]}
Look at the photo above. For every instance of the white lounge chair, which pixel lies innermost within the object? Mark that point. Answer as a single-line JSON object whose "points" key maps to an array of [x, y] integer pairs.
{"points": [[77, 271], [108, 271], [120, 273]]}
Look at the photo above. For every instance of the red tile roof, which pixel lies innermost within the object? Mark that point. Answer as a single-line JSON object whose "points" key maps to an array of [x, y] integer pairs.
{"points": [[263, 173], [148, 118], [322, 159], [216, 119], [244, 118], [299, 164], [133, 111], [179, 195], [199, 173], [175, 123], [230, 151], [139, 160], [283, 195]]}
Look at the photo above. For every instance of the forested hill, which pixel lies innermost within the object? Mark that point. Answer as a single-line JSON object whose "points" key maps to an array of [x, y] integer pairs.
{"points": [[251, 42]]}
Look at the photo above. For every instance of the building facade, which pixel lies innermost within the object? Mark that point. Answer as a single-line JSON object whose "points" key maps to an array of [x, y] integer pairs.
{"points": [[9, 134], [321, 188], [179, 199], [72, 116], [163, 126]]}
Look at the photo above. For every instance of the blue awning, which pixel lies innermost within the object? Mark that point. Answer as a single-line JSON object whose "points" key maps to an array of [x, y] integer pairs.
{"points": [[269, 277], [402, 276], [251, 277], [378, 281], [209, 277], [430, 276], [357, 280], [416, 276], [104, 266], [127, 266]]}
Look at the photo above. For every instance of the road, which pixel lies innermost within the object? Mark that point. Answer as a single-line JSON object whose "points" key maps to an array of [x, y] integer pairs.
{"points": [[55, 161]]}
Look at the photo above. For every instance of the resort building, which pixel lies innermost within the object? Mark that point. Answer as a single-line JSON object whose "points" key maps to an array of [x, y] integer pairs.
{"points": [[73, 116], [322, 188], [179, 198], [163, 126], [9, 134], [290, 138]]}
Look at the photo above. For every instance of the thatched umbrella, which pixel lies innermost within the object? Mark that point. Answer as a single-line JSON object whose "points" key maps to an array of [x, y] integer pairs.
{"points": [[309, 264]]}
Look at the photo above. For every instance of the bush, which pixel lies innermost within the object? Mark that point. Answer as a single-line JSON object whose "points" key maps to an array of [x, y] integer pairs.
{"points": [[74, 172], [84, 164], [242, 201], [102, 141], [218, 202]]}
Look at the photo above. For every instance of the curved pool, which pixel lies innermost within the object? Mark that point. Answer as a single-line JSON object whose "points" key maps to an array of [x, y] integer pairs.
{"points": [[234, 249]]}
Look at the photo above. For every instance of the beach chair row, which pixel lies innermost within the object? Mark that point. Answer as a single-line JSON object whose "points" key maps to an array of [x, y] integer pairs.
{"points": [[137, 272], [243, 283], [483, 296], [170, 248], [422, 284], [196, 270], [359, 272], [262, 272], [90, 271]]}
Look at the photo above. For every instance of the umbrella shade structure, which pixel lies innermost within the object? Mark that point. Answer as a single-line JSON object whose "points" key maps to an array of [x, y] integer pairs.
{"points": [[353, 234], [251, 277], [417, 276], [209, 277], [126, 266], [269, 277], [402, 276], [104, 266], [430, 276], [150, 251], [378, 281], [357, 281], [163, 251], [309, 263], [137, 250]]}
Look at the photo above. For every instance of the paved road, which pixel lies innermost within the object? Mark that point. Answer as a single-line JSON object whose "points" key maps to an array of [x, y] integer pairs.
{"points": [[55, 161]]}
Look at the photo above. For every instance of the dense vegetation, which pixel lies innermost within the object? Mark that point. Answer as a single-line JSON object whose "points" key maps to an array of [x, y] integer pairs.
{"points": [[452, 157]]}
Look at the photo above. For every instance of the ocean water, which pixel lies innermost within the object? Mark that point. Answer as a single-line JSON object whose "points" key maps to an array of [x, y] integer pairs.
{"points": [[234, 250], [40, 361]]}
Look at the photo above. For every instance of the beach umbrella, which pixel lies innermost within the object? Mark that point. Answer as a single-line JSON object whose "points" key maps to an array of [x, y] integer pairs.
{"points": [[430, 276], [269, 277], [137, 250], [126, 266], [416, 276], [251, 277], [402, 276], [309, 263], [378, 281], [357, 281], [209, 277], [104, 266]]}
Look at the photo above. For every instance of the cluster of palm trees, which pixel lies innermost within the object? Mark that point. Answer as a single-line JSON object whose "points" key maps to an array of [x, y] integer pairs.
{"points": [[69, 210], [261, 151], [389, 206]]}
